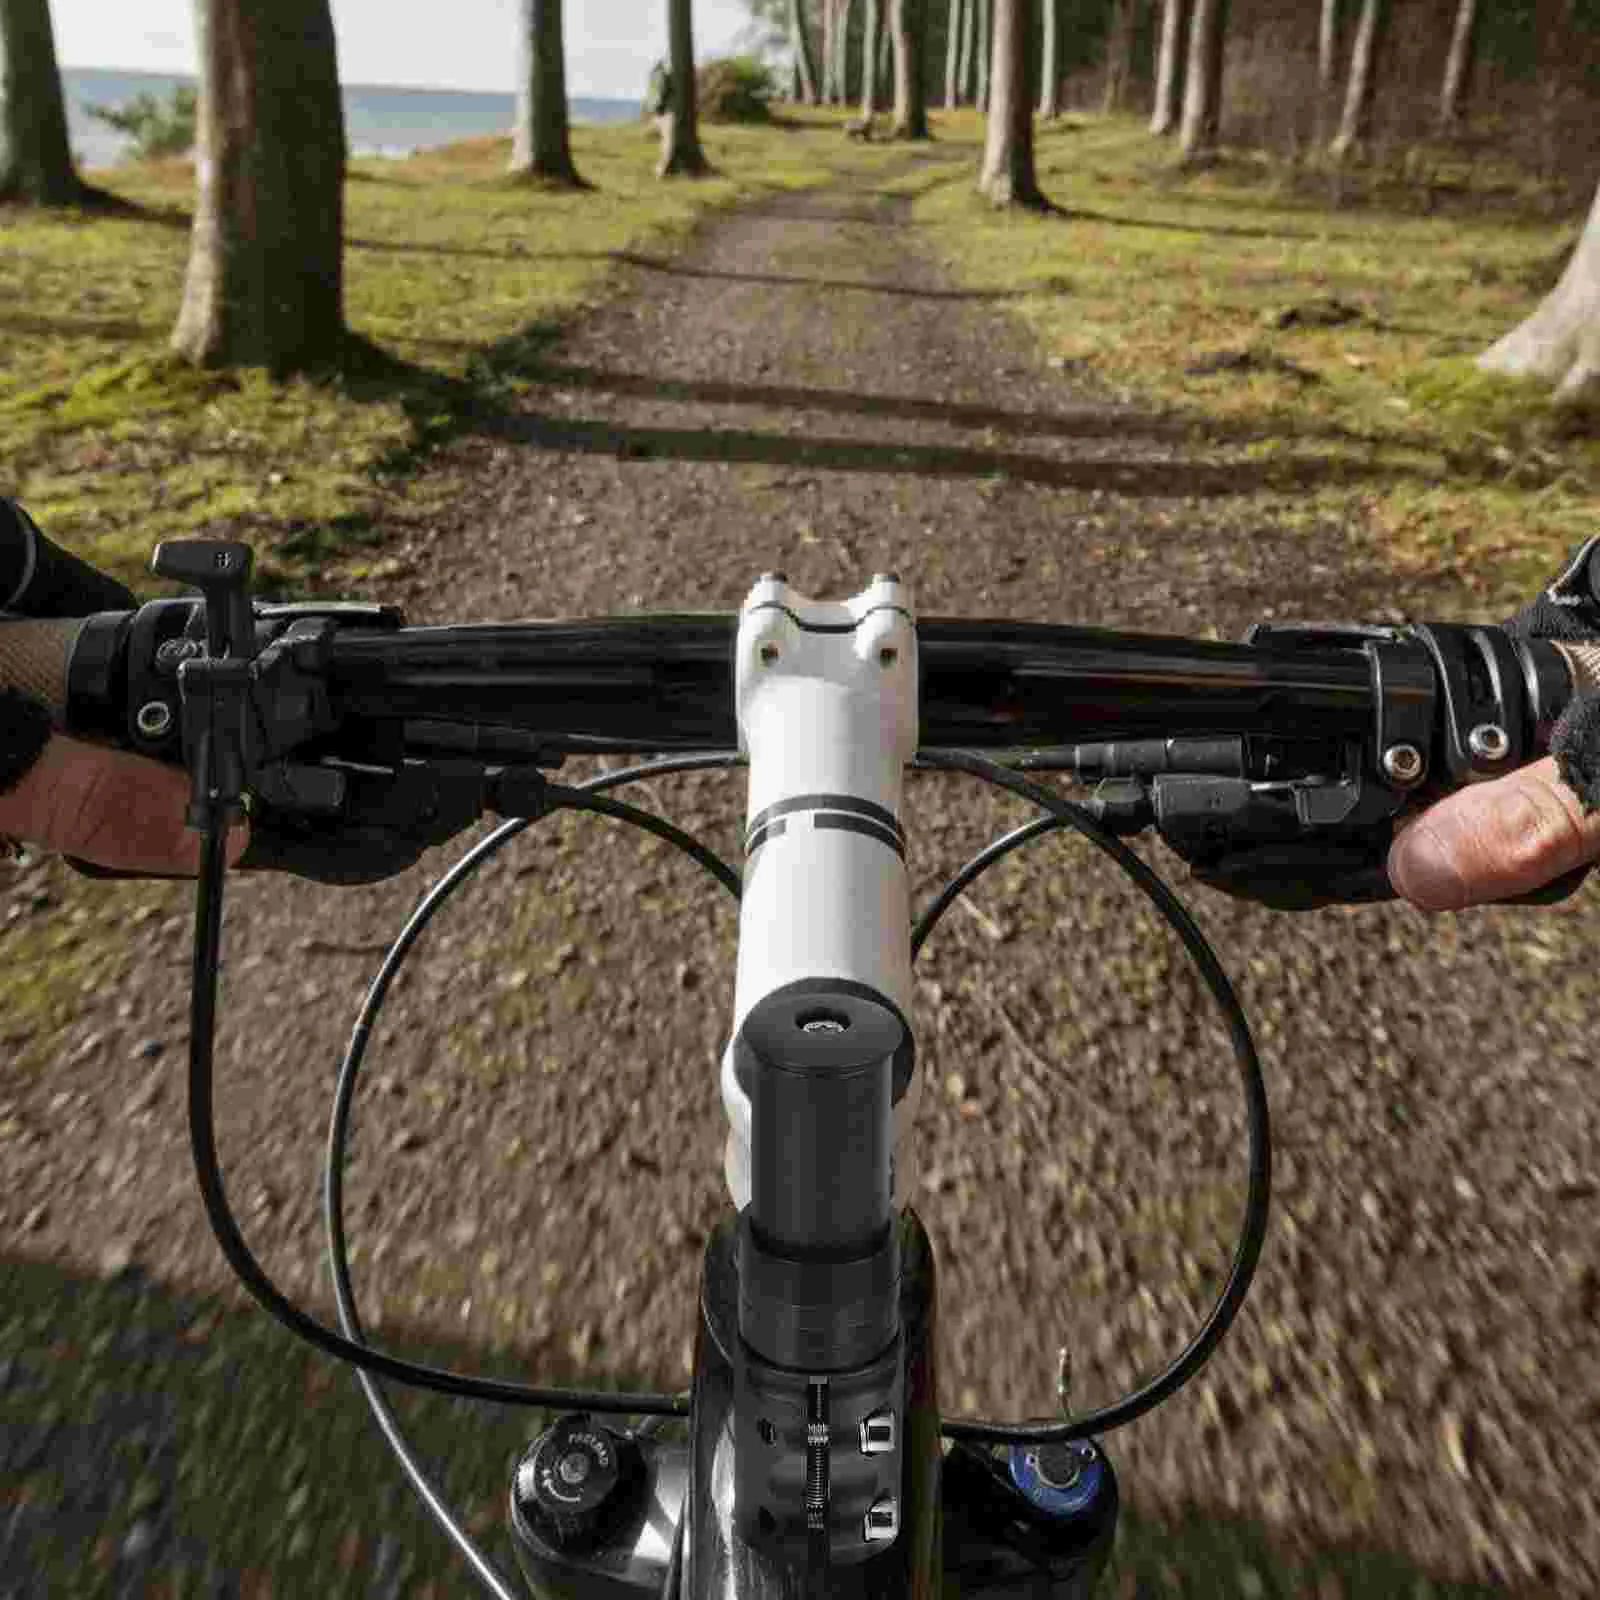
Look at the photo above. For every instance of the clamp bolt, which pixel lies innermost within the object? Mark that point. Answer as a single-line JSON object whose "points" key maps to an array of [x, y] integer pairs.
{"points": [[154, 718], [175, 651], [1489, 742], [1403, 763]]}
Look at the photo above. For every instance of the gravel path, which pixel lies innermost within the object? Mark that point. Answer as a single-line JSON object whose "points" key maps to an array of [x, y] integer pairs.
{"points": [[539, 1142]]}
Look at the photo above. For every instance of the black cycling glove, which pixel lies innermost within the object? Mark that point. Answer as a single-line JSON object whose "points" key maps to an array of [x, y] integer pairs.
{"points": [[1568, 610]]}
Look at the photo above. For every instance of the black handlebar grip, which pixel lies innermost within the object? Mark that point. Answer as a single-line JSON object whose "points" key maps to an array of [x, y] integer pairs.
{"points": [[40, 579]]}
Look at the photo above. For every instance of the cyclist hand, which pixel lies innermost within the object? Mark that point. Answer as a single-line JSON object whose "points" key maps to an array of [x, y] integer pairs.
{"points": [[1518, 833], [108, 807], [1494, 840]]}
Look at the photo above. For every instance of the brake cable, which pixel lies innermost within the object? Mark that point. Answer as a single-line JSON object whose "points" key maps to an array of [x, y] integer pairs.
{"points": [[369, 1361]]}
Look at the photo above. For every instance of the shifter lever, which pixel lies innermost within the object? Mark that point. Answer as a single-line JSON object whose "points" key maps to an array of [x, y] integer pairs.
{"points": [[221, 572]]}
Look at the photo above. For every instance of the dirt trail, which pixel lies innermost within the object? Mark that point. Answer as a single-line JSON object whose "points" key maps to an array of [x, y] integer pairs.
{"points": [[539, 1147]]}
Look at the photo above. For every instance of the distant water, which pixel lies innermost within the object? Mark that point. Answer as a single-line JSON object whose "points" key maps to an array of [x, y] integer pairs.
{"points": [[378, 121]]}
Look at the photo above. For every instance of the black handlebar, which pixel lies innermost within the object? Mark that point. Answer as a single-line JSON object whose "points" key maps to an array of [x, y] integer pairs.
{"points": [[1306, 740]]}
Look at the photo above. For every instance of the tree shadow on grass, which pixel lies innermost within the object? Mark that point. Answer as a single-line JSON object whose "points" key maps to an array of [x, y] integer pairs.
{"points": [[154, 1441]]}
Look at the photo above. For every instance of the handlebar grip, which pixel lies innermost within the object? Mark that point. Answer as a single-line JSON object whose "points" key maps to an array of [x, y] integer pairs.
{"points": [[34, 657], [40, 579]]}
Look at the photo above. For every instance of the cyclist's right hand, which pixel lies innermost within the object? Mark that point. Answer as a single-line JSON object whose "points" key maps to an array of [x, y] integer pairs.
{"points": [[1520, 832]]}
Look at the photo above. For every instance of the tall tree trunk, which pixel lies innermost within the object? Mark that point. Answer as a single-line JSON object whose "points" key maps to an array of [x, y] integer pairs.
{"points": [[967, 70], [1560, 342], [1050, 61], [1456, 64], [841, 41], [1202, 93], [265, 282], [985, 52], [1169, 69], [1327, 68], [830, 53], [681, 155], [35, 157], [1008, 177], [885, 61], [1119, 54], [1356, 122], [541, 146], [952, 54], [910, 84], [870, 28], [800, 42]]}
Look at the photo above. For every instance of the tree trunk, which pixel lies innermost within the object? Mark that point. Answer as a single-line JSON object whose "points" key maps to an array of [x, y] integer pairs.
{"points": [[540, 143], [841, 41], [830, 55], [952, 53], [1560, 342], [910, 89], [967, 70], [1327, 68], [985, 52], [885, 60], [800, 41], [869, 58], [681, 155], [1169, 69], [1119, 55], [1050, 61], [1356, 122], [1456, 64], [35, 157], [1008, 176], [1202, 94], [265, 282]]}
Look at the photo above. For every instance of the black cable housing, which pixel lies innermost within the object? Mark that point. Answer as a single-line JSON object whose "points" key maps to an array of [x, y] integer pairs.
{"points": [[202, 1137], [338, 1133], [1258, 1193], [371, 1362]]}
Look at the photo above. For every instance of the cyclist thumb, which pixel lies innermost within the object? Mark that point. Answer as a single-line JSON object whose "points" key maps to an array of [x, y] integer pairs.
{"points": [[1494, 840]]}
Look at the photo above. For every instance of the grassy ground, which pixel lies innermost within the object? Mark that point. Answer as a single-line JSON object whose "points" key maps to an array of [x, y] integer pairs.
{"points": [[1149, 271], [453, 271]]}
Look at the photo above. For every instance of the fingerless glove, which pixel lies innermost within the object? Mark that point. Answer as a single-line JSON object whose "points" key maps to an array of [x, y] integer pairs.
{"points": [[1568, 611], [24, 732]]}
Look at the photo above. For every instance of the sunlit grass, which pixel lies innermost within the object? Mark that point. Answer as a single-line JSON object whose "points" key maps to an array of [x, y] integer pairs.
{"points": [[452, 269], [1149, 270]]}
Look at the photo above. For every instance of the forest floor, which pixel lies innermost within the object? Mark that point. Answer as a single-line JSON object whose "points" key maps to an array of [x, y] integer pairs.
{"points": [[1409, 1404]]}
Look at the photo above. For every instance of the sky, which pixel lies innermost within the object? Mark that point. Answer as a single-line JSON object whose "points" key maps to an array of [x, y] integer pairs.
{"points": [[461, 44]]}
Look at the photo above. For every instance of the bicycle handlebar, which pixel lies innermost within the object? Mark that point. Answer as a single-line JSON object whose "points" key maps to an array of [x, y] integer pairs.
{"points": [[1308, 736]]}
